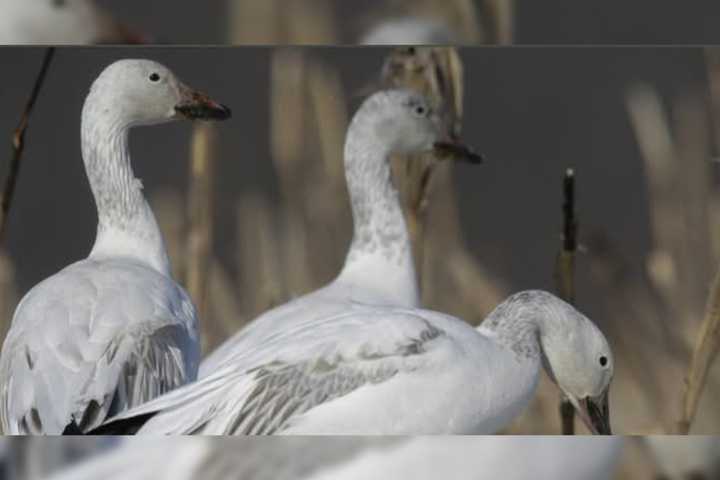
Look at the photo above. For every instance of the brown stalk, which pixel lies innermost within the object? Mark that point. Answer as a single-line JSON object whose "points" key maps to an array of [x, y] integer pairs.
{"points": [[497, 17], [253, 22], [18, 143], [705, 353], [200, 214]]}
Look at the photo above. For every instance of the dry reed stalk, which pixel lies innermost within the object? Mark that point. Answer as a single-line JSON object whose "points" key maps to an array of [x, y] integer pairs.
{"points": [[309, 23], [565, 276], [259, 255], [328, 101], [288, 143], [200, 214], [253, 22], [18, 142], [328, 115], [287, 117], [695, 256], [653, 133], [705, 353], [712, 60], [691, 120], [498, 20]]}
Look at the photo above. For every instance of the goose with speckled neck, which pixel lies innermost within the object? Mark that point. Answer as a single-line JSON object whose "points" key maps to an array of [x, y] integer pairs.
{"points": [[379, 267], [113, 330]]}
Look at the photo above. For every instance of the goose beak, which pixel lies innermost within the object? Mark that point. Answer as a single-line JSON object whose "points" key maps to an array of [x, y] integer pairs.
{"points": [[595, 413], [455, 150], [199, 106]]}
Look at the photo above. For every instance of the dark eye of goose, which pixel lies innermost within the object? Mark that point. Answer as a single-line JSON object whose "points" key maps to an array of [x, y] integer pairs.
{"points": [[420, 110], [154, 77], [603, 361]]}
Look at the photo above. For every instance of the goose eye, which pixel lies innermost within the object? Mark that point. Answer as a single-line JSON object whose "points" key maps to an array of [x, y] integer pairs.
{"points": [[420, 110], [603, 361], [154, 77]]}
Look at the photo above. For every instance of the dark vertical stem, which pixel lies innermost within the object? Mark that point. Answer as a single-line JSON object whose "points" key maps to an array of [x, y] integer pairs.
{"points": [[565, 275], [18, 143]]}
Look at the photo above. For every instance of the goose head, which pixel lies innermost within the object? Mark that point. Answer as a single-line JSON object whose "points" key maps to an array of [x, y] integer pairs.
{"points": [[406, 122], [143, 92], [579, 360]]}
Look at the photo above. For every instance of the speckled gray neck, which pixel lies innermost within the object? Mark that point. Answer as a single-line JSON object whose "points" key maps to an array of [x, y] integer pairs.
{"points": [[123, 212], [379, 225], [524, 318]]}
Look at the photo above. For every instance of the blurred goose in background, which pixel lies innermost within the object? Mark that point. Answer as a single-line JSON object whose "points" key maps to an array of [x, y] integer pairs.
{"points": [[59, 22], [410, 31], [114, 330], [350, 458], [379, 268]]}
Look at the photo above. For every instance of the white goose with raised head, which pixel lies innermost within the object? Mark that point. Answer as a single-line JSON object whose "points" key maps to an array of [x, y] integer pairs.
{"points": [[113, 330], [379, 267]]}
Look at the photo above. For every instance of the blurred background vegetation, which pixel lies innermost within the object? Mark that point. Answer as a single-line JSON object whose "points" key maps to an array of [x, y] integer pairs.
{"points": [[593, 22]]}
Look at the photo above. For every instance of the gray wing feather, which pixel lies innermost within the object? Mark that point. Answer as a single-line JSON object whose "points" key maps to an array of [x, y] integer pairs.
{"points": [[282, 391], [144, 366]]}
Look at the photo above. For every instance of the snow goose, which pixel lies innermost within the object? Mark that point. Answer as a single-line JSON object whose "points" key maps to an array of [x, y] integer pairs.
{"points": [[379, 267], [410, 31], [391, 371], [59, 22], [350, 458], [114, 330]]}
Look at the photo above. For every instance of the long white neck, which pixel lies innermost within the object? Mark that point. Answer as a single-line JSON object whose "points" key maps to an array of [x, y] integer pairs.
{"points": [[380, 261], [126, 224]]}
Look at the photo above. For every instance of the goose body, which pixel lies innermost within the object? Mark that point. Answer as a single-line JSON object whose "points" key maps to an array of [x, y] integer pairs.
{"points": [[113, 330], [351, 458], [379, 267], [391, 371]]}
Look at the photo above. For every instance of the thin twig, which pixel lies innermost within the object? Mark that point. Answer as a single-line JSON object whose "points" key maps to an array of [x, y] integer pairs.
{"points": [[565, 276], [18, 143]]}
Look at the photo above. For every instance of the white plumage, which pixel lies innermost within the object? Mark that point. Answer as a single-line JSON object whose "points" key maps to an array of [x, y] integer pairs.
{"points": [[361, 458], [114, 330]]}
